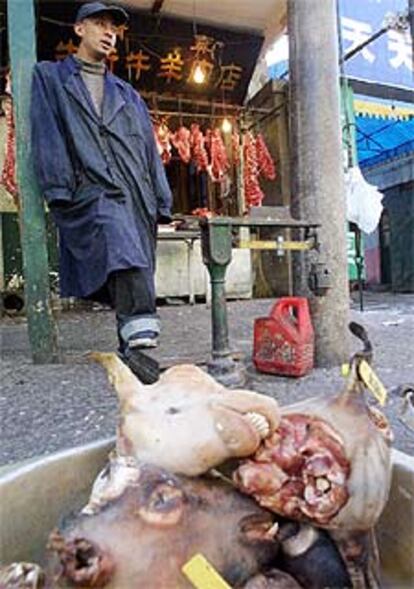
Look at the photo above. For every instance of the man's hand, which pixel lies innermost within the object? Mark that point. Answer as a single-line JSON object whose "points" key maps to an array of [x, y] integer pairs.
{"points": [[164, 220]]}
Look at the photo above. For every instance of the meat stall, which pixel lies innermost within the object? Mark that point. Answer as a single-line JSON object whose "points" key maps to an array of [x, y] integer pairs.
{"points": [[194, 73]]}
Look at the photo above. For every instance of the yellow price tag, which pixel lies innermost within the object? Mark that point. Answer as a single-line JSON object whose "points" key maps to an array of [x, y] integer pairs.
{"points": [[372, 382], [202, 574]]}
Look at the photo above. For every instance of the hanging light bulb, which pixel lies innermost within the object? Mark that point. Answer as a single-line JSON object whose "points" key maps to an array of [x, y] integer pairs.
{"points": [[199, 75], [226, 125]]}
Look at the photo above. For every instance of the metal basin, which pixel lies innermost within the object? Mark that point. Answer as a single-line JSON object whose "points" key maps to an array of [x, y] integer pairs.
{"points": [[36, 495]]}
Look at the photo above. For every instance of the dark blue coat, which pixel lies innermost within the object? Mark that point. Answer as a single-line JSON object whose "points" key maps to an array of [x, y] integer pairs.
{"points": [[101, 176]]}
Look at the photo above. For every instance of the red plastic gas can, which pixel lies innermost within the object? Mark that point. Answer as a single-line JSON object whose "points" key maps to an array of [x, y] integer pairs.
{"points": [[284, 341]]}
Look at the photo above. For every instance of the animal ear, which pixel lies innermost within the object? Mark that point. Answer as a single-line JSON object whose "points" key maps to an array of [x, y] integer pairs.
{"points": [[237, 434], [121, 378], [244, 401]]}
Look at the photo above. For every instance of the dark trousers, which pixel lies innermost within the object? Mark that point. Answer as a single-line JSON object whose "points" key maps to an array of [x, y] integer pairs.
{"points": [[131, 293]]}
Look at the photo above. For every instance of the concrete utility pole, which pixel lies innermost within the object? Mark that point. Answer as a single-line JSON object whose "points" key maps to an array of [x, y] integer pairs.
{"points": [[42, 330], [316, 166]]}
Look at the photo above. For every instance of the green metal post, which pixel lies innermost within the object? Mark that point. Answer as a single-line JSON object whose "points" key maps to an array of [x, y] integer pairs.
{"points": [[216, 244], [42, 329], [219, 310], [349, 127], [349, 135]]}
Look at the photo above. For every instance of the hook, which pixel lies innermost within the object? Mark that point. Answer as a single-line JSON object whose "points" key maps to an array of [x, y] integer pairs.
{"points": [[213, 109]]}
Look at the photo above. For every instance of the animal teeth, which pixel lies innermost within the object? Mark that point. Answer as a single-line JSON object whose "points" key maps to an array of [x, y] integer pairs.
{"points": [[322, 484], [260, 424], [272, 532]]}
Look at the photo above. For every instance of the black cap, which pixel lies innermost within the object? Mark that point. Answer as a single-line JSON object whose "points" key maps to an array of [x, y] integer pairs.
{"points": [[92, 8]]}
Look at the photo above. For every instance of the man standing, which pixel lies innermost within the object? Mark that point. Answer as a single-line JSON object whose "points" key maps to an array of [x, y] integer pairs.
{"points": [[99, 170]]}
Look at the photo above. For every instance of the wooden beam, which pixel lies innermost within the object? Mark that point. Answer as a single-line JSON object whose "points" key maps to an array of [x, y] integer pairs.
{"points": [[42, 330], [156, 7]]}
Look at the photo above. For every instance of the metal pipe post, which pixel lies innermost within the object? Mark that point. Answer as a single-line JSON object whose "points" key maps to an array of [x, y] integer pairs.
{"points": [[219, 318], [216, 246]]}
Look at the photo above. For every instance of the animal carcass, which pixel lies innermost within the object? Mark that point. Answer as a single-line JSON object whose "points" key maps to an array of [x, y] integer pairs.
{"points": [[187, 422], [145, 536]]}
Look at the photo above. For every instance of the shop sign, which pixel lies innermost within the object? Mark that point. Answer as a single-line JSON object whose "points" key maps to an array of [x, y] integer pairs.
{"points": [[388, 59], [163, 54]]}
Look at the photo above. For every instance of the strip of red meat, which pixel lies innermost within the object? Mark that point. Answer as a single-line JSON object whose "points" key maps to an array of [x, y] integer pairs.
{"points": [[181, 141], [198, 149], [219, 163], [8, 175], [235, 143], [265, 161], [162, 138], [252, 192]]}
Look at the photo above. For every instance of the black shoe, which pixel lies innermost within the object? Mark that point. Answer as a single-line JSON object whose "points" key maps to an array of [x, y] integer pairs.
{"points": [[145, 368]]}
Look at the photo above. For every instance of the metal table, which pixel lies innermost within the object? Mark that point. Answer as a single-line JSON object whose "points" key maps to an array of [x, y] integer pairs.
{"points": [[189, 238]]}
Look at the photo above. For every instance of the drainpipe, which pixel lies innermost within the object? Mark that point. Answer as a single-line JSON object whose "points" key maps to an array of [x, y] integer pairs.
{"points": [[317, 183]]}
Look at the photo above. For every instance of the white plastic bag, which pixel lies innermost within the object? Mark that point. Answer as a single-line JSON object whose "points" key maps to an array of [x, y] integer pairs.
{"points": [[363, 201]]}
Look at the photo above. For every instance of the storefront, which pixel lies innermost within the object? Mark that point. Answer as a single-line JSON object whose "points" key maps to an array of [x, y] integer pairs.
{"points": [[386, 153], [222, 157]]}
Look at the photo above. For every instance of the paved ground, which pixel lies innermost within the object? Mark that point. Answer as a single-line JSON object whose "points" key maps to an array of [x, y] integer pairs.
{"points": [[46, 408]]}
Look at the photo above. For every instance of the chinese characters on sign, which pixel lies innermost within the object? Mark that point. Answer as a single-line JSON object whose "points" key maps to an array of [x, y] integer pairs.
{"points": [[204, 50], [398, 43], [171, 66], [165, 55], [138, 62], [400, 46], [387, 59], [174, 65], [230, 76]]}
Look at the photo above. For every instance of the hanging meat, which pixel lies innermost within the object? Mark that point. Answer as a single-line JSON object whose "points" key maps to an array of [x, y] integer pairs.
{"points": [[8, 175], [181, 141], [162, 138], [252, 192], [198, 149], [219, 163], [264, 159], [235, 147]]}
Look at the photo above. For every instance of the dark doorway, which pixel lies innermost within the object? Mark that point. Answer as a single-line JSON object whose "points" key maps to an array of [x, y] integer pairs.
{"points": [[385, 247]]}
